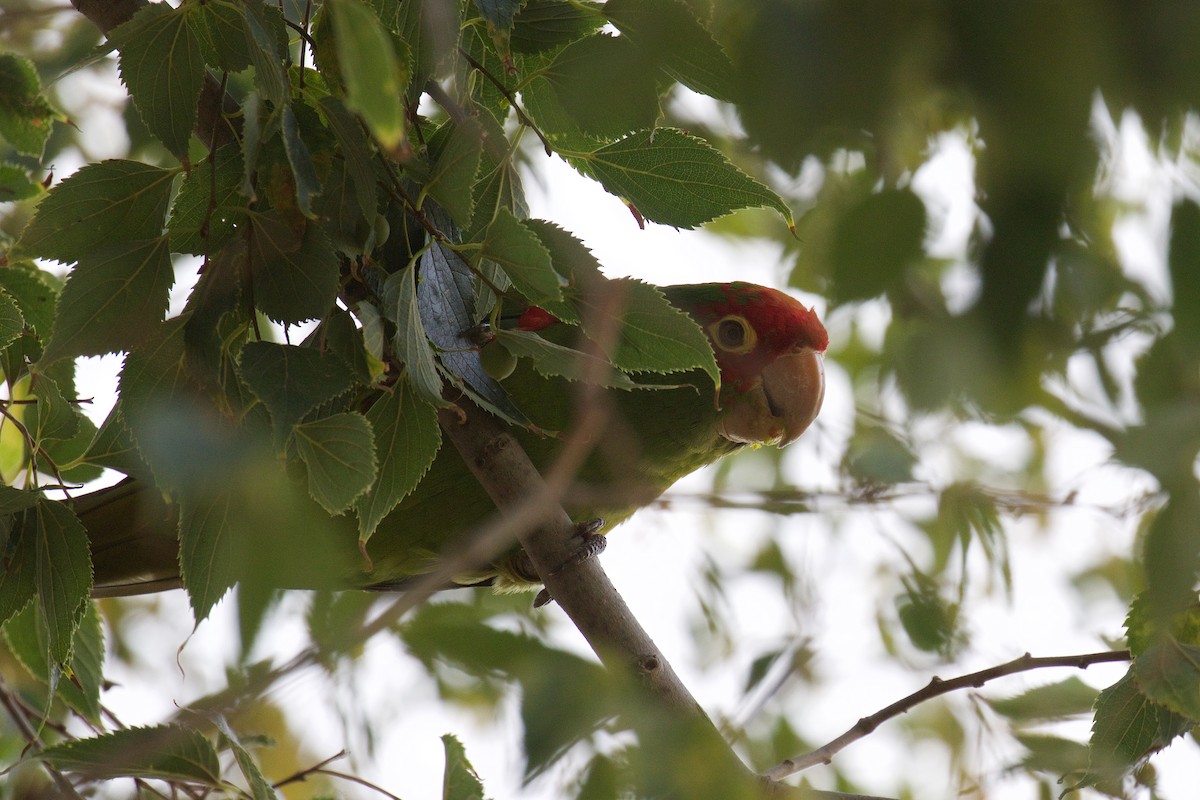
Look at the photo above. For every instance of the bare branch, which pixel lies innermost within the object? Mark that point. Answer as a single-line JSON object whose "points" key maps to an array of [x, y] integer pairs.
{"points": [[936, 687]]}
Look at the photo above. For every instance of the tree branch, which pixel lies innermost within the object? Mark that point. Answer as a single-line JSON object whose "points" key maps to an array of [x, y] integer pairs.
{"points": [[936, 687]]}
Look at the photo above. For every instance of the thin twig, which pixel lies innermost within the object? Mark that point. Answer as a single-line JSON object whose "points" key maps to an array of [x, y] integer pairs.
{"points": [[935, 688], [521, 115]]}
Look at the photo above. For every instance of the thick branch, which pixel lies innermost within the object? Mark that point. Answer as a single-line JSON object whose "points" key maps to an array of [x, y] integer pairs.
{"points": [[936, 687], [581, 588]]}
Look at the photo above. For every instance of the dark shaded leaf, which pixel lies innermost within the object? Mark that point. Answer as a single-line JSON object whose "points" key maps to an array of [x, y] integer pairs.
{"points": [[167, 752]]}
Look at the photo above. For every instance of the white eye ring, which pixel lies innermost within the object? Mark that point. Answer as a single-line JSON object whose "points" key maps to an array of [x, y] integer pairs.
{"points": [[732, 334]]}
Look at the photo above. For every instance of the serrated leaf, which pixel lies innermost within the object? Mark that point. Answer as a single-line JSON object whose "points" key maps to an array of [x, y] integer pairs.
{"points": [[63, 574], [497, 182], [412, 346], [220, 27], [375, 77], [571, 259], [676, 179], [166, 752], [18, 583], [291, 381], [26, 118], [205, 213], [595, 89], [656, 336], [451, 181], [407, 438], [543, 25], [1128, 727], [357, 151], [459, 780], [266, 39], [1168, 673], [1066, 698], [112, 300], [162, 65], [101, 204], [26, 638], [16, 184], [51, 417], [11, 321], [554, 360], [339, 451], [35, 293], [668, 30], [521, 255], [260, 788], [113, 446], [305, 174], [13, 499], [295, 274], [206, 548]]}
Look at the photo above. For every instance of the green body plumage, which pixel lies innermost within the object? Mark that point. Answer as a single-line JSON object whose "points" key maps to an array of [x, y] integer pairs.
{"points": [[654, 437]]}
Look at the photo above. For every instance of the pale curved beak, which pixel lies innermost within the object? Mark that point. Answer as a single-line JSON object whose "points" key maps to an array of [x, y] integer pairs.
{"points": [[783, 405]]}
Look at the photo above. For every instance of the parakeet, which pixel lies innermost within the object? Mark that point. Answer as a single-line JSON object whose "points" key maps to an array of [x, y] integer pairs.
{"points": [[769, 349]]}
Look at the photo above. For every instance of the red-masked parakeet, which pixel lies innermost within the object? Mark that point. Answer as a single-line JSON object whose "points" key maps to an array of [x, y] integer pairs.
{"points": [[768, 348]]}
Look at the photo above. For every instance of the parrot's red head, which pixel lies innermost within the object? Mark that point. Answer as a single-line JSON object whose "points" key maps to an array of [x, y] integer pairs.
{"points": [[770, 351]]}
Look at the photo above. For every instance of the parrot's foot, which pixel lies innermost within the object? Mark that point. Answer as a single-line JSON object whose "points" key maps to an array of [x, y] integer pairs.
{"points": [[592, 544]]}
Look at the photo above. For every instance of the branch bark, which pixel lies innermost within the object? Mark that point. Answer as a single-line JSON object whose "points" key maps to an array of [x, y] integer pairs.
{"points": [[936, 687]]}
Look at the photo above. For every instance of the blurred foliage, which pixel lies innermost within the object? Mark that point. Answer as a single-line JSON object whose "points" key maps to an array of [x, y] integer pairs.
{"points": [[361, 129]]}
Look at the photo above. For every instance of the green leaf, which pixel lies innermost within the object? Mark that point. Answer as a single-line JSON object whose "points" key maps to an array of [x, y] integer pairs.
{"points": [[63, 574], [1169, 674], [597, 88], [113, 446], [457, 156], [16, 184], [13, 500], [18, 580], [412, 346], [375, 76], [220, 28], [260, 787], [307, 184], [163, 67], [266, 39], [668, 30], [543, 25], [655, 335], [356, 149], [339, 451], [207, 563], [206, 211], [291, 381], [11, 321], [52, 417], [1066, 698], [101, 204], [112, 300], [26, 637], [459, 781], [294, 278], [26, 117], [875, 242], [407, 438], [1182, 259], [166, 752], [36, 294], [523, 257], [876, 455], [676, 179], [554, 360], [1128, 728], [497, 182]]}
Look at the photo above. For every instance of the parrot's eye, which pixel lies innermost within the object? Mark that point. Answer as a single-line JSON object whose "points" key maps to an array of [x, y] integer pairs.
{"points": [[732, 334]]}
